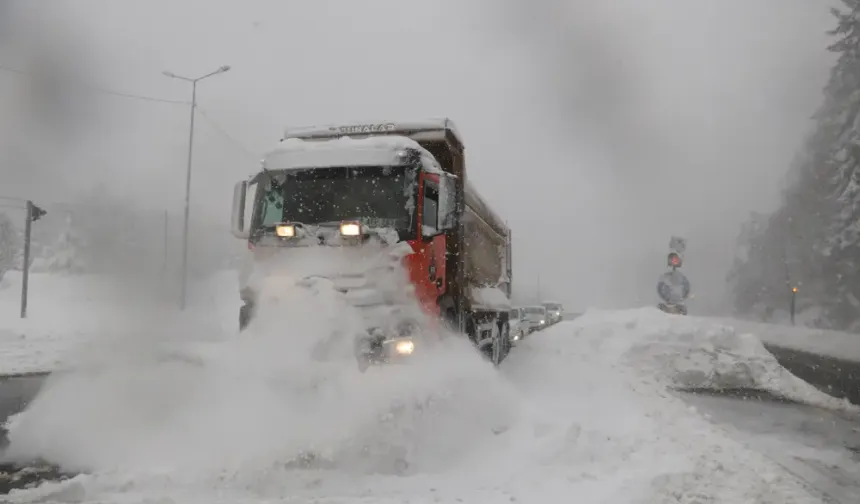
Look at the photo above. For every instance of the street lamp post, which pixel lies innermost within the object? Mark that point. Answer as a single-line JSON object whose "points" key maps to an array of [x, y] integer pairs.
{"points": [[193, 82], [793, 303]]}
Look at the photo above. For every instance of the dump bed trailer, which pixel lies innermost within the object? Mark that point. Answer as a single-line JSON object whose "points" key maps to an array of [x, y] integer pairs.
{"points": [[478, 258]]}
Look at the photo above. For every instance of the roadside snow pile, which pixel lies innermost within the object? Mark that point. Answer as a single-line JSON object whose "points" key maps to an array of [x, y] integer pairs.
{"points": [[62, 313], [696, 353], [835, 344], [619, 435]]}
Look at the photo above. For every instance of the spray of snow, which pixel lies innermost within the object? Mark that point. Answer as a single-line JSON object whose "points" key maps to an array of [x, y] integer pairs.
{"points": [[237, 409]]}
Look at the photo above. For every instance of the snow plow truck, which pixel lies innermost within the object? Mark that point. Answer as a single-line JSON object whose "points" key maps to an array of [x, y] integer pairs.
{"points": [[368, 190]]}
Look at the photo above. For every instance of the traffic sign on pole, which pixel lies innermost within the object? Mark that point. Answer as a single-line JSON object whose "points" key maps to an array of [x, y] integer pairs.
{"points": [[678, 244], [673, 287]]}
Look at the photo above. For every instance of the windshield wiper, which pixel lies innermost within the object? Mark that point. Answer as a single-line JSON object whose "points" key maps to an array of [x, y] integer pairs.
{"points": [[272, 180]]}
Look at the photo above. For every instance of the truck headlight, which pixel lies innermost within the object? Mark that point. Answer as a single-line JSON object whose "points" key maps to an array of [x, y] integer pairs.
{"points": [[285, 230], [350, 229], [404, 347], [542, 322]]}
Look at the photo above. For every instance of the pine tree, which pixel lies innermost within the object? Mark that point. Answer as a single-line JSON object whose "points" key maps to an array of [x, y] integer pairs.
{"points": [[812, 240], [836, 175]]}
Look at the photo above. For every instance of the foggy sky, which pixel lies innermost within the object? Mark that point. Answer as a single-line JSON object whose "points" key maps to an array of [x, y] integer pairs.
{"points": [[597, 129]]}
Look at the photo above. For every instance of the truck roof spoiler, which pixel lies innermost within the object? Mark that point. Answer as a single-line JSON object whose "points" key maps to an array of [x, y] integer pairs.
{"points": [[427, 130]]}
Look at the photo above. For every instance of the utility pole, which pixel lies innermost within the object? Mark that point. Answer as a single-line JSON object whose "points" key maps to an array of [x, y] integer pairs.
{"points": [[538, 289], [193, 82], [166, 240], [34, 213]]}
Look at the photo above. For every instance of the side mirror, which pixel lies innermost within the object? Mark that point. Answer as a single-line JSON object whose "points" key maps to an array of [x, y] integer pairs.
{"points": [[448, 204], [237, 220]]}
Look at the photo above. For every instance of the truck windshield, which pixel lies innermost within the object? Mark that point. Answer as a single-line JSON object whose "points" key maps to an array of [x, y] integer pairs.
{"points": [[536, 310], [378, 195]]}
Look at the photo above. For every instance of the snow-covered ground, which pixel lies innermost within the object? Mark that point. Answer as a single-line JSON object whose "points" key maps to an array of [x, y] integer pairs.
{"points": [[66, 311], [835, 344], [580, 412]]}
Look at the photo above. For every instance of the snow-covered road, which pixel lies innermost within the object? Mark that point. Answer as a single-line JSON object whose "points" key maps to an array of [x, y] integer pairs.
{"points": [[179, 411], [822, 448], [583, 409]]}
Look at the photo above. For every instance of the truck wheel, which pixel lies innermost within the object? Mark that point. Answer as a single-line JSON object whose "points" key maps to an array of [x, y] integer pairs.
{"points": [[505, 334], [471, 329], [497, 347]]}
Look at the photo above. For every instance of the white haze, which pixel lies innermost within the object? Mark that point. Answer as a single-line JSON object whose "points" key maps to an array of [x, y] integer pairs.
{"points": [[597, 129]]}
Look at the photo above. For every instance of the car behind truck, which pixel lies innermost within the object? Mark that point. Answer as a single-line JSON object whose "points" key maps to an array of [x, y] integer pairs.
{"points": [[370, 188], [554, 312]]}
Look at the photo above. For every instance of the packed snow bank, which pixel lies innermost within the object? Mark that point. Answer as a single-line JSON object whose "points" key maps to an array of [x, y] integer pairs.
{"points": [[690, 352], [619, 435]]}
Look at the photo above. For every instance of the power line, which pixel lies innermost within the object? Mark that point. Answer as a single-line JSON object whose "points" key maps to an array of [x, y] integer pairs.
{"points": [[139, 97], [226, 135], [106, 91]]}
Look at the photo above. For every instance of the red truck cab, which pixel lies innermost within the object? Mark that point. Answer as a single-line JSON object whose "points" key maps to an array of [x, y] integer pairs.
{"points": [[395, 184]]}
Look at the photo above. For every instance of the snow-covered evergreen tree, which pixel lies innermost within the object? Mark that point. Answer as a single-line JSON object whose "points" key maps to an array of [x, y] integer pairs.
{"points": [[813, 240], [835, 176]]}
